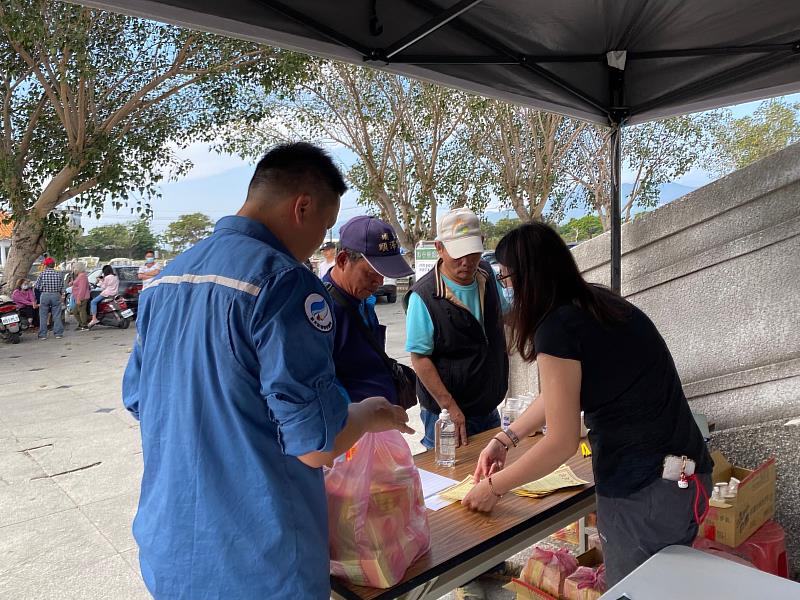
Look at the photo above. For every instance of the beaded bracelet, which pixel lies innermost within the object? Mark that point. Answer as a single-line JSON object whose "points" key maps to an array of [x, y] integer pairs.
{"points": [[491, 488], [501, 443]]}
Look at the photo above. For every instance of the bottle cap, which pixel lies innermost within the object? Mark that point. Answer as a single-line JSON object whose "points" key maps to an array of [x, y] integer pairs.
{"points": [[444, 414]]}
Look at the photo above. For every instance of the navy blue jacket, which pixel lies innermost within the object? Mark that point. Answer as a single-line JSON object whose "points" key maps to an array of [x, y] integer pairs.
{"points": [[359, 369]]}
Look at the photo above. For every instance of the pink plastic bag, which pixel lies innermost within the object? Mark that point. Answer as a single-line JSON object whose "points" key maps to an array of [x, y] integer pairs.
{"points": [[376, 512]]}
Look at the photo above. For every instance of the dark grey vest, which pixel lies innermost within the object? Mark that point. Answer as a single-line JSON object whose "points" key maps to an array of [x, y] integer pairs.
{"points": [[471, 360]]}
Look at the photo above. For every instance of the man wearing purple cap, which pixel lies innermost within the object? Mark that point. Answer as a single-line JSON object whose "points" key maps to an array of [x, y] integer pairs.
{"points": [[368, 252]]}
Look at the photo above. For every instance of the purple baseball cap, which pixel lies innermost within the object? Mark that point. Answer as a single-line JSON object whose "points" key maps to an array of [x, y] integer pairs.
{"points": [[376, 241]]}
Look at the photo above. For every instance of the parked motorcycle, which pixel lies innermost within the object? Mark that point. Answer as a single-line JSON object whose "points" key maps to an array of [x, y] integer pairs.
{"points": [[114, 312], [11, 324]]}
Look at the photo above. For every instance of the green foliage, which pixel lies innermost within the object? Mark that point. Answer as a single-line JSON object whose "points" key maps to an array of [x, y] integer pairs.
{"points": [[584, 228], [402, 133], [129, 240], [521, 153], [60, 236], [739, 142], [494, 232], [655, 153], [96, 104], [187, 230]]}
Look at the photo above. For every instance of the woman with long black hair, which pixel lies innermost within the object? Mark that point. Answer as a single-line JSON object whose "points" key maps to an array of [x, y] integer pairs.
{"points": [[598, 353]]}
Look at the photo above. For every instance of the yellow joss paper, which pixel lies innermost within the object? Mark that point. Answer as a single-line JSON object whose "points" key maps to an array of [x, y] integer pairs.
{"points": [[459, 490], [561, 478]]}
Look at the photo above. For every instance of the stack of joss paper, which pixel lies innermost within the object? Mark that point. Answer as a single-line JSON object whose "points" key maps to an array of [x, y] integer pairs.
{"points": [[561, 478], [585, 583], [548, 570]]}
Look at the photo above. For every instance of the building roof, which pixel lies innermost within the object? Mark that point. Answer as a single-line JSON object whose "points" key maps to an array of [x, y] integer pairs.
{"points": [[5, 228]]}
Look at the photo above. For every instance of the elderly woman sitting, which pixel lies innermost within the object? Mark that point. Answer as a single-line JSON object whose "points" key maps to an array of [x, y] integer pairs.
{"points": [[25, 299]]}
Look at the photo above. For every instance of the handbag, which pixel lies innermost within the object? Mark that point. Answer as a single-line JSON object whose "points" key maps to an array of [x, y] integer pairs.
{"points": [[403, 377]]}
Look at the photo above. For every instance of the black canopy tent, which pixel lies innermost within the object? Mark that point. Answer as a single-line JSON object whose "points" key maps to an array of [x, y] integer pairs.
{"points": [[614, 62]]}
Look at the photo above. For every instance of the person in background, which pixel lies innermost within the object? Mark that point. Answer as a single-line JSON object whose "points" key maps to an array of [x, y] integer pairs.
{"points": [[241, 409], [80, 295], [369, 252], [25, 299], [329, 255], [149, 269], [109, 287], [598, 353], [51, 286], [454, 332]]}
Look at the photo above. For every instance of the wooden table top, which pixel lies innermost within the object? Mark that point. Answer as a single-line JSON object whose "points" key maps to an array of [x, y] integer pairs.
{"points": [[458, 534]]}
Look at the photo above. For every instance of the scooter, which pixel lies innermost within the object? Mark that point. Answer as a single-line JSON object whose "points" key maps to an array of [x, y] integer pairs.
{"points": [[114, 312], [11, 325]]}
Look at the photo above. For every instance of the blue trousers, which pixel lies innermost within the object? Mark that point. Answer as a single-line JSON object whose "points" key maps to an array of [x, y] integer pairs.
{"points": [[95, 301], [50, 302]]}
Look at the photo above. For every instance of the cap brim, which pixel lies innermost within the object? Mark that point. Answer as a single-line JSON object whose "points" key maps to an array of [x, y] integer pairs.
{"points": [[463, 246], [393, 266]]}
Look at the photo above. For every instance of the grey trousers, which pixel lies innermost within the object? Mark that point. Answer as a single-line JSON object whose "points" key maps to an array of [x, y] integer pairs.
{"points": [[636, 527]]}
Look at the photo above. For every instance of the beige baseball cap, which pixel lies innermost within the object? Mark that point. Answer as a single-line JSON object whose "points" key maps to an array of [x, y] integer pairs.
{"points": [[460, 232]]}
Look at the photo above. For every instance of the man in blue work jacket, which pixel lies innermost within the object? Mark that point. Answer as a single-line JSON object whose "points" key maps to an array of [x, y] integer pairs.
{"points": [[232, 380]]}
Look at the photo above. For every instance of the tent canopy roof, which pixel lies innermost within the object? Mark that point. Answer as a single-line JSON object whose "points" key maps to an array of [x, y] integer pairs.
{"points": [[600, 60]]}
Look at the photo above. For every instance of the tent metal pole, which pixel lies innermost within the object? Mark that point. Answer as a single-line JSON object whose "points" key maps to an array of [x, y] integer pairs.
{"points": [[616, 204], [428, 28], [314, 25], [479, 36]]}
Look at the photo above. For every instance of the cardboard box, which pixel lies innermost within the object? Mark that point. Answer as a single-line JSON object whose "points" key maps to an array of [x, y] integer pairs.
{"points": [[753, 506], [593, 540], [591, 558]]}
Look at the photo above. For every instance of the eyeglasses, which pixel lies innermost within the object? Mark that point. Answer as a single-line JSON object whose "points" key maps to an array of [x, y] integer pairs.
{"points": [[503, 279]]}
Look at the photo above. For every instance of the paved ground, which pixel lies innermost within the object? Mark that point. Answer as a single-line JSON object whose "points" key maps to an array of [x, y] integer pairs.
{"points": [[70, 465]]}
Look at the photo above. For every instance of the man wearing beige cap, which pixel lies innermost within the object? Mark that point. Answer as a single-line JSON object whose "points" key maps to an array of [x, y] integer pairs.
{"points": [[454, 333]]}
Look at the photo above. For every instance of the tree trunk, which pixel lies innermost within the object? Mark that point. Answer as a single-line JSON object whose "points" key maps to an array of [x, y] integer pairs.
{"points": [[27, 243], [391, 216]]}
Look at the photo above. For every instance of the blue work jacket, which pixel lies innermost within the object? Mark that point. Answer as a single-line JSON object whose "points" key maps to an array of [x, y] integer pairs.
{"points": [[232, 378]]}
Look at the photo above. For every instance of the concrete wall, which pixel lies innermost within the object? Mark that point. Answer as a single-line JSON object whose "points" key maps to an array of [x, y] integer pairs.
{"points": [[718, 271]]}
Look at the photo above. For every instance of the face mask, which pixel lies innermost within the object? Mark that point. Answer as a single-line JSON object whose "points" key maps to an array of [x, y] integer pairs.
{"points": [[509, 294], [149, 260], [25, 286]]}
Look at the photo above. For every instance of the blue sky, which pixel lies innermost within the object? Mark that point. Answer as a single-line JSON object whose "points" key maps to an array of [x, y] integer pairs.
{"points": [[217, 185]]}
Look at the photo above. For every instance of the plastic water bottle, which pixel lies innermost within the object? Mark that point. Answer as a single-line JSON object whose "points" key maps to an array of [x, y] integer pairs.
{"points": [[445, 440], [510, 412]]}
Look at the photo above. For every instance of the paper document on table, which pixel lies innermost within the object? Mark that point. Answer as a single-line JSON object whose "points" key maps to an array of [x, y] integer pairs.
{"points": [[563, 477], [432, 484], [458, 491]]}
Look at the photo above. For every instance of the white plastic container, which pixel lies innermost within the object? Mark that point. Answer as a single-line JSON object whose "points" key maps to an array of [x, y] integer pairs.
{"points": [[509, 412]]}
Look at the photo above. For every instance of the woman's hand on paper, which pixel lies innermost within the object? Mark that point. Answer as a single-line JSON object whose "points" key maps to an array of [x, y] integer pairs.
{"points": [[491, 460], [480, 498]]}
